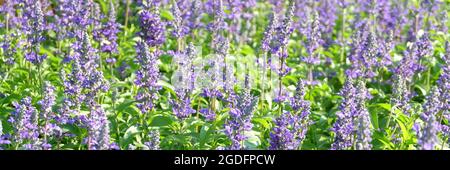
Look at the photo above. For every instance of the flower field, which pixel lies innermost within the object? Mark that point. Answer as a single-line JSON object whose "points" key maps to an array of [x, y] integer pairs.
{"points": [[224, 75]]}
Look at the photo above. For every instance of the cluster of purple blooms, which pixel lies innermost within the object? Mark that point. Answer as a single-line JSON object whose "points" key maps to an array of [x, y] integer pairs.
{"points": [[184, 81], [33, 27], [313, 40], [152, 28], [107, 34], [291, 127], [239, 122], [367, 55], [378, 28], [404, 72], [30, 124], [25, 122], [352, 128], [435, 110], [147, 77]]}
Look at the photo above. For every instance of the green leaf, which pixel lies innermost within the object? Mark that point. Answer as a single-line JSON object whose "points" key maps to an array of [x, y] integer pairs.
{"points": [[374, 120], [405, 132], [385, 106], [161, 120], [252, 141], [263, 122], [129, 135], [247, 50], [166, 15]]}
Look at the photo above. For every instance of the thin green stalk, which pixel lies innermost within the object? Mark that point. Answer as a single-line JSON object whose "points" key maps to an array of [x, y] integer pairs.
{"points": [[7, 23], [263, 78], [127, 11], [342, 36], [428, 78]]}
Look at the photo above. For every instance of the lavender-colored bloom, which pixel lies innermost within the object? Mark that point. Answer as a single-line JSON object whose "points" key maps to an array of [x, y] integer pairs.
{"points": [[409, 64], [220, 44], [96, 20], [424, 46], [219, 23], [114, 146], [67, 113], [281, 94], [390, 17], [180, 27], [33, 27], [86, 80], [269, 33], [33, 21], [72, 86], [369, 6], [184, 81], [283, 32], [111, 61], [313, 40], [73, 17], [328, 15], [241, 113], [427, 136], [291, 127], [7, 9], [46, 114], [353, 123], [194, 15], [182, 107], [108, 32], [443, 19], [289, 132], [152, 28], [343, 127], [408, 67], [430, 8], [401, 94], [240, 17], [9, 49], [303, 13], [386, 45], [365, 55], [24, 121], [122, 70], [209, 114], [35, 58], [211, 93], [154, 142], [298, 103], [444, 88], [93, 80], [147, 77], [362, 120], [279, 46], [3, 137], [66, 11], [98, 129], [277, 5]]}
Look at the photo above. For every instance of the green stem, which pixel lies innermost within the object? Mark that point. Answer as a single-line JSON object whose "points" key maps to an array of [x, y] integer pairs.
{"points": [[41, 87], [342, 36], [127, 11], [428, 78], [7, 22], [198, 115], [262, 79]]}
